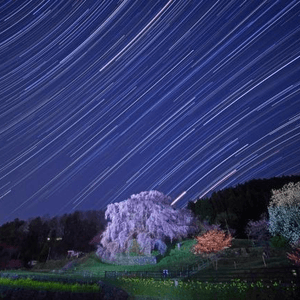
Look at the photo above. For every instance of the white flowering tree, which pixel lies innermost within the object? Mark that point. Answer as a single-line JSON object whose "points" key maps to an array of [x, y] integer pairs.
{"points": [[284, 212], [146, 217]]}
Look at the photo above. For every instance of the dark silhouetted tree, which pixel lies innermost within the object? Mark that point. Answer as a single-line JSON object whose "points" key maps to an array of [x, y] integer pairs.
{"points": [[244, 202]]}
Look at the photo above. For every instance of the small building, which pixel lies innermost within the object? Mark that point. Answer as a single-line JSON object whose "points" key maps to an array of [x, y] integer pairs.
{"points": [[72, 253]]}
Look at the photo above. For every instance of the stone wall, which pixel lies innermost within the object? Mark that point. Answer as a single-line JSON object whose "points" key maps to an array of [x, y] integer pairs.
{"points": [[133, 260]]}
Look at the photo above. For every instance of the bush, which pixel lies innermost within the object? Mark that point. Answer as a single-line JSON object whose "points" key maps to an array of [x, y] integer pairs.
{"points": [[258, 230], [279, 241], [294, 257]]}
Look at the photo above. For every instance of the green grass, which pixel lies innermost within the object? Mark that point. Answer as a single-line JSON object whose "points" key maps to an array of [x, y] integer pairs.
{"points": [[28, 283], [236, 289], [51, 265], [241, 243], [176, 259]]}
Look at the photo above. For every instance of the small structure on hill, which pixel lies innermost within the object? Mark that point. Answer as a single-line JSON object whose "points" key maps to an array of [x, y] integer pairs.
{"points": [[72, 253]]}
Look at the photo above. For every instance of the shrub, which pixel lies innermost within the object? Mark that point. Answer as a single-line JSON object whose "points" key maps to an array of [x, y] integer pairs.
{"points": [[294, 256], [279, 241], [258, 230]]}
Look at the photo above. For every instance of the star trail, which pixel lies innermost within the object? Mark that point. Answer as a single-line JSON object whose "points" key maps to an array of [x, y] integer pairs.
{"points": [[104, 99]]}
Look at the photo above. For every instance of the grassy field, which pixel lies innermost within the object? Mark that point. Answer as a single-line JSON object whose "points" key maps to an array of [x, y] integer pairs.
{"points": [[50, 286], [237, 289], [179, 259], [91, 263], [175, 259]]}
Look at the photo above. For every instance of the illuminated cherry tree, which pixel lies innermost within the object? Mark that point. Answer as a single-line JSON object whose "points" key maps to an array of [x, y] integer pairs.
{"points": [[147, 218], [212, 242], [284, 212], [288, 195]]}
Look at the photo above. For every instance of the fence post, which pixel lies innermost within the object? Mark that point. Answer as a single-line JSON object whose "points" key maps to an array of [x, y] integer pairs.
{"points": [[296, 272]]}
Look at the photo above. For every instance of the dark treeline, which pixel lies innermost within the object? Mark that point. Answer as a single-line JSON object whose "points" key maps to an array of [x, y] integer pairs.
{"points": [[237, 205], [43, 238]]}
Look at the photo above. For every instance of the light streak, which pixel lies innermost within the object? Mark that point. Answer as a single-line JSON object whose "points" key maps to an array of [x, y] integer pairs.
{"points": [[179, 197]]}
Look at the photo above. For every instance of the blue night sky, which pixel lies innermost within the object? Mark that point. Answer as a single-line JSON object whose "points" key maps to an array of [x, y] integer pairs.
{"points": [[104, 99]]}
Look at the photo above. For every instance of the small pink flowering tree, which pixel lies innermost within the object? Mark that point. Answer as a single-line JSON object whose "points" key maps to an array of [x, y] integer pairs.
{"points": [[211, 243], [294, 257]]}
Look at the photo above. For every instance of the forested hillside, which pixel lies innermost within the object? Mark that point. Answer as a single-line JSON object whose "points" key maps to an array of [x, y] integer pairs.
{"points": [[43, 238], [237, 205]]}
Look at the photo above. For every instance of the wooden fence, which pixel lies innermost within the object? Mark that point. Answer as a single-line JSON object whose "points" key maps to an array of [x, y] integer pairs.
{"points": [[148, 274], [280, 274], [181, 273]]}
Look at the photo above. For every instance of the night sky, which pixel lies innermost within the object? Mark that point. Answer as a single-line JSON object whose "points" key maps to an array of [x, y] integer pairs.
{"points": [[104, 99]]}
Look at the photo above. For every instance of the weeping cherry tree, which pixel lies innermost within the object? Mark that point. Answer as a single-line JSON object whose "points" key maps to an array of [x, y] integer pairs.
{"points": [[147, 218]]}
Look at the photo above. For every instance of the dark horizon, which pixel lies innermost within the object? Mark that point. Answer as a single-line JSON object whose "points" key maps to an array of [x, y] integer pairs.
{"points": [[291, 177]]}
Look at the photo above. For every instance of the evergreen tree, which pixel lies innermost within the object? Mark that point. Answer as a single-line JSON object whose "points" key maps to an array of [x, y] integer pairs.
{"points": [[244, 202]]}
